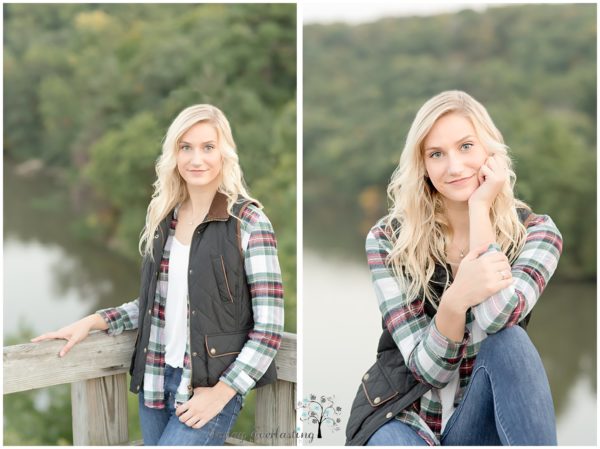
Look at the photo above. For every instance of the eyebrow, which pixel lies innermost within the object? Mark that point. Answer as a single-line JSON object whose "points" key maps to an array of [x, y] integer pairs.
{"points": [[203, 143], [455, 143]]}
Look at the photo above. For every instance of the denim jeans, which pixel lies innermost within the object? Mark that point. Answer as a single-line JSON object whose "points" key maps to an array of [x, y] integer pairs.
{"points": [[161, 427], [507, 401]]}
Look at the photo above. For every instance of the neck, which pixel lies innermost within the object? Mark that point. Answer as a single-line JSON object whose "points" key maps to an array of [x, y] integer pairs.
{"points": [[458, 217], [200, 198]]}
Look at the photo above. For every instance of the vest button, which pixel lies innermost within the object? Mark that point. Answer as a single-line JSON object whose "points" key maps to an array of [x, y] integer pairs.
{"points": [[137, 388], [193, 312], [195, 354], [213, 351], [145, 350], [377, 400], [366, 376], [150, 312], [191, 271], [156, 235], [389, 415]]}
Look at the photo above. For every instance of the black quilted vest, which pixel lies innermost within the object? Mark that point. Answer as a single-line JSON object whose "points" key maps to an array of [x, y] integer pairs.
{"points": [[388, 387], [219, 298]]}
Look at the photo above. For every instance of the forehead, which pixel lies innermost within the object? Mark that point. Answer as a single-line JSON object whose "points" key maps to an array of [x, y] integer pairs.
{"points": [[448, 129], [200, 132]]}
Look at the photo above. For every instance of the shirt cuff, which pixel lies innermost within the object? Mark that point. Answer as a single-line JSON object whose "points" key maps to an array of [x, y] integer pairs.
{"points": [[442, 347], [492, 248], [112, 317], [237, 379]]}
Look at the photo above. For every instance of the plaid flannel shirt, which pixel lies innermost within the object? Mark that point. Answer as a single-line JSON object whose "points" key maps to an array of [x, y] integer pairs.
{"points": [[263, 276], [431, 357]]}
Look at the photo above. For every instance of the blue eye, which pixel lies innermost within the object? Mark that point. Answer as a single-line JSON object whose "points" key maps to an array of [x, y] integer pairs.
{"points": [[466, 146], [435, 155], [184, 147], [208, 148]]}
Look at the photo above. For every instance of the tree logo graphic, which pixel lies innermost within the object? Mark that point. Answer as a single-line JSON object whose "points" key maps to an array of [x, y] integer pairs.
{"points": [[322, 411]]}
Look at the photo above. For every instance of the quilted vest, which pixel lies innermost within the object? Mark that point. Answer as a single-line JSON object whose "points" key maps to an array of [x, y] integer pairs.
{"points": [[388, 387], [219, 297]]}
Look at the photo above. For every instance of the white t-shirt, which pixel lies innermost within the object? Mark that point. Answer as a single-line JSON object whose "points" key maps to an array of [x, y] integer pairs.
{"points": [[176, 307]]}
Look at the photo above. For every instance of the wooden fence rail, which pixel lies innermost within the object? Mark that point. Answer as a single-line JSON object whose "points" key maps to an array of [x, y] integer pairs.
{"points": [[97, 370]]}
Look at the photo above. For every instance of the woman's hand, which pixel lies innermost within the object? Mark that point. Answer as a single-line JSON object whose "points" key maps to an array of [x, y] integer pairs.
{"points": [[74, 333], [204, 405], [479, 276], [492, 176]]}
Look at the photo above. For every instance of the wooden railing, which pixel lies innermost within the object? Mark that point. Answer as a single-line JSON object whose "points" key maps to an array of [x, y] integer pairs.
{"points": [[97, 370]]}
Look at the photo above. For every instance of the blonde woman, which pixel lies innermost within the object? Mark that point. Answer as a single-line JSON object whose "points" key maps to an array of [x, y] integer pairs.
{"points": [[457, 266], [210, 309]]}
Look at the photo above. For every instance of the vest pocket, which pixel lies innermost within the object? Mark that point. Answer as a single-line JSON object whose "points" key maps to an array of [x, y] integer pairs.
{"points": [[222, 349], [226, 288]]}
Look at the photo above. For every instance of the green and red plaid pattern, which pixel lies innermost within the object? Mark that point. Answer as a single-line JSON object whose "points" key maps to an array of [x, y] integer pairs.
{"points": [[434, 359], [264, 280]]}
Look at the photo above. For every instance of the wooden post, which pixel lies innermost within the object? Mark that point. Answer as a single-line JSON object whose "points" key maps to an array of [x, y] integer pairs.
{"points": [[99, 409], [275, 416]]}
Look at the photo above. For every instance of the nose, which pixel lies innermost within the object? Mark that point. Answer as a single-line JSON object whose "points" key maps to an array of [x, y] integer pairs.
{"points": [[197, 157], [455, 164]]}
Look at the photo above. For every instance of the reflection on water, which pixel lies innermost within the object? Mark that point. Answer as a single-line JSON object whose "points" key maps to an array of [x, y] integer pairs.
{"points": [[50, 277], [342, 326]]}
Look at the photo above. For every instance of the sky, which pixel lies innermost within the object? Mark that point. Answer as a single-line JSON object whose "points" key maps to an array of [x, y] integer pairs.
{"points": [[361, 12]]}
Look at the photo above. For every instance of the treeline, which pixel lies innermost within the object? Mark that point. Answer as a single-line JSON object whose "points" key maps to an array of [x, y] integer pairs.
{"points": [[90, 90], [533, 67]]}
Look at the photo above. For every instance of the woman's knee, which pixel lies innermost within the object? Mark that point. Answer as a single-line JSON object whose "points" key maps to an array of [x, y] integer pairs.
{"points": [[510, 347]]}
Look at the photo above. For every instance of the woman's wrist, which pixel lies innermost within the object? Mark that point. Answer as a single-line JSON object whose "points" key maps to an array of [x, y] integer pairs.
{"points": [[453, 303], [96, 322]]}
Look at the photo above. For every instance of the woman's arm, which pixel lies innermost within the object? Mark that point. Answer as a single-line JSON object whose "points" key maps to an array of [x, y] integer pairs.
{"points": [[431, 356], [266, 290], [530, 272]]}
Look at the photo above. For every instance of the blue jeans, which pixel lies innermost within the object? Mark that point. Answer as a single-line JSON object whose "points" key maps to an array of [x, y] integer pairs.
{"points": [[507, 402], [161, 427]]}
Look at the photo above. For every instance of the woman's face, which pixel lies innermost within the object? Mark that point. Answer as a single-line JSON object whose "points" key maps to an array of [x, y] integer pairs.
{"points": [[199, 159], [453, 155]]}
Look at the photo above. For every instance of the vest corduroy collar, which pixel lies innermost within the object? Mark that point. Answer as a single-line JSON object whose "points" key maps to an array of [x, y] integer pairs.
{"points": [[218, 208]]}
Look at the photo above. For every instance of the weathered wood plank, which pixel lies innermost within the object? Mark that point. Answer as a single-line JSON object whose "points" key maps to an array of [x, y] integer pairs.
{"points": [[286, 359], [37, 365], [99, 409], [275, 415], [237, 442]]}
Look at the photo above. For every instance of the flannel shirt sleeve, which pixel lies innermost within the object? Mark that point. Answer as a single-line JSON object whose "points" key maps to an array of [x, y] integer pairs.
{"points": [[531, 272], [266, 290], [430, 356], [124, 317]]}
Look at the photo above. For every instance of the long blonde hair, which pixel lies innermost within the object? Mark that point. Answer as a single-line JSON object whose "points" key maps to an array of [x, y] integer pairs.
{"points": [[170, 188], [419, 230]]}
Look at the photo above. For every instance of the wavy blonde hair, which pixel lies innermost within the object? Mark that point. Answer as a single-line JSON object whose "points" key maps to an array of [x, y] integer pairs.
{"points": [[170, 189], [419, 229]]}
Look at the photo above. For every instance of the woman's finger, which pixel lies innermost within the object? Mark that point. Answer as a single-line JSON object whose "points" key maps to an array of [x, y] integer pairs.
{"points": [[191, 421], [199, 424], [46, 336], [182, 408], [66, 348]]}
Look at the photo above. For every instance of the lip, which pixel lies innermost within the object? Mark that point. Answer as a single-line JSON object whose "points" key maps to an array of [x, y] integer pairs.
{"points": [[460, 181], [197, 172]]}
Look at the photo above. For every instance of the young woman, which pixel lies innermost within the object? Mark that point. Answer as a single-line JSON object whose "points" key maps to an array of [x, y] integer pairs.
{"points": [[210, 310], [457, 266]]}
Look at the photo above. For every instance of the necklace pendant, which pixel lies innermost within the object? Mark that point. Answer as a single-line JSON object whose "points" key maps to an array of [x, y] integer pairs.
{"points": [[462, 254]]}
